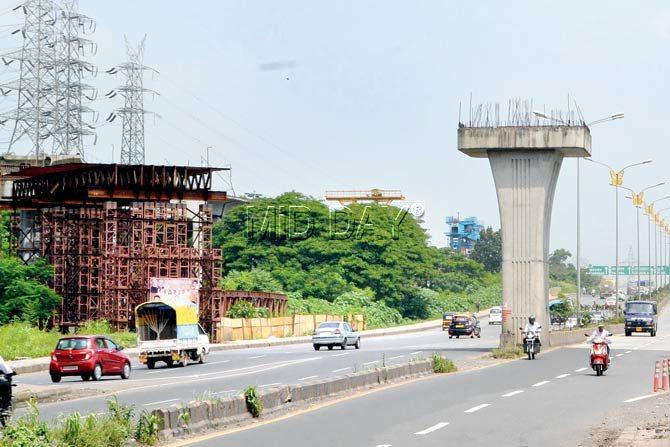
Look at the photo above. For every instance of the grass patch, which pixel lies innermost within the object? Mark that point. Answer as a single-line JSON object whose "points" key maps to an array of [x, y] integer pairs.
{"points": [[507, 352], [442, 365], [20, 339]]}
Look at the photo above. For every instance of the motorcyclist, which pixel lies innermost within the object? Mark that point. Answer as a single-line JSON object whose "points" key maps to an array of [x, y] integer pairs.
{"points": [[601, 333], [533, 329], [6, 373]]}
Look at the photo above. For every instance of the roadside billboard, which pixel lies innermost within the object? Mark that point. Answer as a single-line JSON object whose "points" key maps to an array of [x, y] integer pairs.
{"points": [[160, 288]]}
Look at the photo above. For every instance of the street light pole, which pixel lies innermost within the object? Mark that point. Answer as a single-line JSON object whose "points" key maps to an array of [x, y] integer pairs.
{"points": [[638, 252]]}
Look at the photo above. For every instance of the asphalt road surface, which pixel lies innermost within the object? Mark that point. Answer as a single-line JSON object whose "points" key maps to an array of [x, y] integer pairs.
{"points": [[229, 372], [550, 401]]}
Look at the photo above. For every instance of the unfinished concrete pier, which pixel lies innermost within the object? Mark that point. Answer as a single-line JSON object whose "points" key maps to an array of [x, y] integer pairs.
{"points": [[525, 161]]}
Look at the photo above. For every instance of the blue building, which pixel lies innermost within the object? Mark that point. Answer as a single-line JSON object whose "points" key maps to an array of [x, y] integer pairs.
{"points": [[463, 233]]}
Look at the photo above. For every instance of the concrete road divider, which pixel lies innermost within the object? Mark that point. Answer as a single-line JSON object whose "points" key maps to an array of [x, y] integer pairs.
{"points": [[570, 337], [227, 411]]}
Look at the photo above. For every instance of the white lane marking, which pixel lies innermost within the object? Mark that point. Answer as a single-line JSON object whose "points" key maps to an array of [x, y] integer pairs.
{"points": [[341, 369], [340, 355], [563, 376], [384, 445], [512, 393], [160, 402], [544, 382], [635, 399], [415, 352], [224, 392], [308, 377], [477, 408], [580, 370], [432, 429], [269, 384], [636, 348], [370, 363], [257, 357], [618, 355], [396, 357], [628, 352]]}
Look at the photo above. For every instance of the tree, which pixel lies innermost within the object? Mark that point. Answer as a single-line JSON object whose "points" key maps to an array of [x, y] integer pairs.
{"points": [[488, 250]]}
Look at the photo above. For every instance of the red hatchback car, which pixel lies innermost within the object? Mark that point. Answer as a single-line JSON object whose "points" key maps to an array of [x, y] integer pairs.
{"points": [[88, 356]]}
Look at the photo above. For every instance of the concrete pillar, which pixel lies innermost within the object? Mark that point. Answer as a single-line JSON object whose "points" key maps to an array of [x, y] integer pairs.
{"points": [[525, 162]]}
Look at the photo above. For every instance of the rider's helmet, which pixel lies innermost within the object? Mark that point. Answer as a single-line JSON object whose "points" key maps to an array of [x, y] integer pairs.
{"points": [[531, 319], [601, 326]]}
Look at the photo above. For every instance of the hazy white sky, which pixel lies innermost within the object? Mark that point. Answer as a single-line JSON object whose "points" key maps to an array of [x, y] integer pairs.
{"points": [[370, 96]]}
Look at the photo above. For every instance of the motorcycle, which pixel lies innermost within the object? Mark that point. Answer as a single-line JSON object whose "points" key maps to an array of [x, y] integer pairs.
{"points": [[531, 343], [6, 406], [600, 361]]}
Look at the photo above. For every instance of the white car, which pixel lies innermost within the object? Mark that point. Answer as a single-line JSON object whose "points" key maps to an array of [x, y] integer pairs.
{"points": [[335, 333], [597, 317], [610, 302], [571, 322], [495, 315]]}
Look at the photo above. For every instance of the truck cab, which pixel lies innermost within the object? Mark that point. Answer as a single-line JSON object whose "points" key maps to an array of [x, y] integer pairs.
{"points": [[641, 316]]}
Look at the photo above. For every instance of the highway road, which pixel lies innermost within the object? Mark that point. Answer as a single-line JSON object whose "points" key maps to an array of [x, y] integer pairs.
{"points": [[229, 372], [551, 401]]}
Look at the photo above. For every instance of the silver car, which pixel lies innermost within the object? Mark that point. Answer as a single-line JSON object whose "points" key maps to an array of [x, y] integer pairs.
{"points": [[335, 333]]}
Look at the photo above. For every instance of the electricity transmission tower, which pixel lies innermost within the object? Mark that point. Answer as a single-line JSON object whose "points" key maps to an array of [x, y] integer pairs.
{"points": [[71, 47], [132, 112], [49, 87], [33, 115]]}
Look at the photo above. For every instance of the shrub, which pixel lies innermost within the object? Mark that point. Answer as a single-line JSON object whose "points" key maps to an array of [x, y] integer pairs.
{"points": [[28, 431], [254, 402], [442, 365], [507, 352], [244, 309], [147, 428]]}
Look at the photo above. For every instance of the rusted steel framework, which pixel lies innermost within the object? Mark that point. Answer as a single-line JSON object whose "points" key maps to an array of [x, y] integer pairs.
{"points": [[108, 229]]}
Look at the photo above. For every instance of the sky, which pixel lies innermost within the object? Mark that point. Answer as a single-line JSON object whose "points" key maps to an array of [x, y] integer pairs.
{"points": [[310, 95]]}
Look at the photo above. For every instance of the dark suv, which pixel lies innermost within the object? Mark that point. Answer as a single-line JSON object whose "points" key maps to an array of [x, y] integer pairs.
{"points": [[641, 317]]}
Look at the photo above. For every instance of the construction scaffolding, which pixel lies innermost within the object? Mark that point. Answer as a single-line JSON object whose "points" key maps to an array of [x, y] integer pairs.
{"points": [[108, 229]]}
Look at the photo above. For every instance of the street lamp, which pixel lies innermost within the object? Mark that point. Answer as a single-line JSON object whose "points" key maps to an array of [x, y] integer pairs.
{"points": [[616, 116], [649, 210], [663, 235], [616, 180], [638, 202]]}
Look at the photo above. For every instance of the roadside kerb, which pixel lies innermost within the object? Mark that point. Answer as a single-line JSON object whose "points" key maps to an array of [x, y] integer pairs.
{"points": [[42, 363], [227, 411]]}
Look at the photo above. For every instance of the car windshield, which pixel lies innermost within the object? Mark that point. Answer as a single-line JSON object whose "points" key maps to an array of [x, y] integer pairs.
{"points": [[72, 343], [461, 319], [329, 325], [496, 311], [639, 308]]}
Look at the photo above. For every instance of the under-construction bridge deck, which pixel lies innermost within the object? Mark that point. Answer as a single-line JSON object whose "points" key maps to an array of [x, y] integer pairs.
{"points": [[77, 184]]}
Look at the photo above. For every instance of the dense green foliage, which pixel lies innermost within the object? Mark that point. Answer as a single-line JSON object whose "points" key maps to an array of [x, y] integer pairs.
{"points": [[369, 257], [488, 250], [244, 309], [442, 365], [24, 294]]}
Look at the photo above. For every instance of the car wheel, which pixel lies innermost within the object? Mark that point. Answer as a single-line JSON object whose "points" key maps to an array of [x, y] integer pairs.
{"points": [[151, 364], [330, 347], [97, 372], [201, 358], [126, 371], [458, 336], [317, 347], [653, 333], [627, 333], [55, 378], [343, 346], [451, 336], [358, 343], [85, 377], [169, 362], [183, 361], [472, 335]]}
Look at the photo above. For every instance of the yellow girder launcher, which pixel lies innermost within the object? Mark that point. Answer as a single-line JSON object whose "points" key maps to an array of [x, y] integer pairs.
{"points": [[168, 331]]}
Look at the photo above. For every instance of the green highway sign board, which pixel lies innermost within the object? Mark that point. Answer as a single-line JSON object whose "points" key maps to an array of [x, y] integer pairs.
{"points": [[629, 270], [598, 270], [623, 270]]}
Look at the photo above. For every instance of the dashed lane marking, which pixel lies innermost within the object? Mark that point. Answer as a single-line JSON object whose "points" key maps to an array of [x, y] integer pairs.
{"points": [[477, 408], [415, 352], [308, 377], [396, 357], [512, 393], [628, 352], [370, 363], [432, 429], [563, 376], [257, 357], [580, 370], [544, 382], [269, 384], [618, 355], [635, 399], [341, 369], [160, 402], [340, 355]]}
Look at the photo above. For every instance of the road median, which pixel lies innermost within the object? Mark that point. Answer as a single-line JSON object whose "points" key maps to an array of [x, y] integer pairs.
{"points": [[215, 414]]}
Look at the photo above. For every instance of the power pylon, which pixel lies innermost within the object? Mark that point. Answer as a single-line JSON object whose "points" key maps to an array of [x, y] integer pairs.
{"points": [[33, 116], [133, 111], [71, 47]]}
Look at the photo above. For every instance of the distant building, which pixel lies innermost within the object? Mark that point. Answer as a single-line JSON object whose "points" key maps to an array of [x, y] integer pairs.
{"points": [[463, 233]]}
